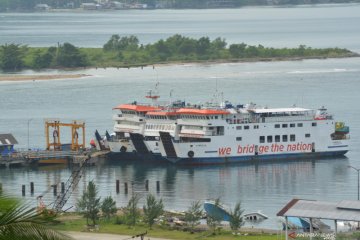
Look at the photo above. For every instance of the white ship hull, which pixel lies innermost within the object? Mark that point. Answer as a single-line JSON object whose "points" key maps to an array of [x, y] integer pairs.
{"points": [[307, 141]]}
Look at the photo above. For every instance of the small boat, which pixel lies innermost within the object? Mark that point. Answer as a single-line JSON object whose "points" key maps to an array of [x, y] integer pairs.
{"points": [[217, 210], [304, 224], [255, 216]]}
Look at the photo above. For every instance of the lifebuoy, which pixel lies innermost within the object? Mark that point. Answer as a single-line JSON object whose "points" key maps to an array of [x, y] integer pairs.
{"points": [[191, 154]]}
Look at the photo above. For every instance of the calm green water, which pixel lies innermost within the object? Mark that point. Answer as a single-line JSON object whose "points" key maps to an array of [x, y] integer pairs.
{"points": [[334, 83]]}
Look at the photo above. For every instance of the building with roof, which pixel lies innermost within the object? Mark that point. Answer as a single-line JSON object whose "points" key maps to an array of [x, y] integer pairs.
{"points": [[7, 142], [42, 7], [345, 210]]}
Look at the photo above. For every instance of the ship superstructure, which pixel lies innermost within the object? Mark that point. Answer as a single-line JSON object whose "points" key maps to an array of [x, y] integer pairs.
{"points": [[242, 133]]}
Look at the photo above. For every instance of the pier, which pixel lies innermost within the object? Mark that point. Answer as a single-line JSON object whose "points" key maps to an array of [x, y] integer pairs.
{"points": [[25, 158]]}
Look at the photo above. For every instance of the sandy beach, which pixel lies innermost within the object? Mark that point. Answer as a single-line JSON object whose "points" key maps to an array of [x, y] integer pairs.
{"points": [[40, 77]]}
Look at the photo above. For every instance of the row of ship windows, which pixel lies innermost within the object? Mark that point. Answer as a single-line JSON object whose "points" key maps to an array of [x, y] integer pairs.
{"points": [[160, 127], [284, 125], [199, 117], [292, 125], [277, 138]]}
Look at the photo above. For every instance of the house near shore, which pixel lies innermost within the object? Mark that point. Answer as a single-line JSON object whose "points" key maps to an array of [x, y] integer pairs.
{"points": [[42, 7], [90, 6], [7, 142]]}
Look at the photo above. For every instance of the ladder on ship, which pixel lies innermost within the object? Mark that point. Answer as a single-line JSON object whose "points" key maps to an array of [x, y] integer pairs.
{"points": [[70, 185], [139, 144], [168, 144]]}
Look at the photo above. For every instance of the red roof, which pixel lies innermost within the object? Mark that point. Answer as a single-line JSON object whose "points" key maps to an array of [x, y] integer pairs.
{"points": [[137, 108], [193, 111]]}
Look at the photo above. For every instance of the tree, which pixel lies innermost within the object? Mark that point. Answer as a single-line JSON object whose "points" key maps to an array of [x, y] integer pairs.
{"points": [[112, 43], [152, 209], [214, 220], [236, 218], [42, 60], [203, 45], [124, 43], [89, 203], [237, 50], [108, 207], [218, 44], [70, 56], [131, 212], [18, 221], [11, 57], [193, 215]]}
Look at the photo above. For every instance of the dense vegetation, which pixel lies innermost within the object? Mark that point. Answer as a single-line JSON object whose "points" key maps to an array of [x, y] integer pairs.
{"points": [[127, 51], [28, 5]]}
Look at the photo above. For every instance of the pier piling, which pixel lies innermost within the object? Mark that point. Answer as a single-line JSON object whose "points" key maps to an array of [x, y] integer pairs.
{"points": [[126, 187], [55, 189], [62, 187], [32, 188], [147, 185], [158, 186], [117, 186], [23, 190]]}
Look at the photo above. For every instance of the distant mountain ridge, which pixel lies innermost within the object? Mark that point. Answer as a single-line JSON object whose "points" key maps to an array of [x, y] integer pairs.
{"points": [[44, 5]]}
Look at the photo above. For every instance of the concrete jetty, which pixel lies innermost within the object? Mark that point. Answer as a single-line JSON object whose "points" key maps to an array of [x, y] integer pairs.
{"points": [[25, 158]]}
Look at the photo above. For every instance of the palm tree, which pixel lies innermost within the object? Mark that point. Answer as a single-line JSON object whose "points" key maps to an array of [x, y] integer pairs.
{"points": [[19, 221]]}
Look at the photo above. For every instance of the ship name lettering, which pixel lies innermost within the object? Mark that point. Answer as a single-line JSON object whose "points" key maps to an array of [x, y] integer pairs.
{"points": [[299, 147], [246, 149], [277, 147], [225, 151], [273, 148]]}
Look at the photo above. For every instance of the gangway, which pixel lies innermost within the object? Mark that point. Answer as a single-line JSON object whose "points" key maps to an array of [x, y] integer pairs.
{"points": [[70, 185]]}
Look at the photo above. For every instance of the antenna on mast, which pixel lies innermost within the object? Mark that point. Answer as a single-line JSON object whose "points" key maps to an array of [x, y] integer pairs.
{"points": [[153, 94]]}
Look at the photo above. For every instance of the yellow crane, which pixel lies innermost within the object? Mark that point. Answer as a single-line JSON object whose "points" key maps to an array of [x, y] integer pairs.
{"points": [[55, 126]]}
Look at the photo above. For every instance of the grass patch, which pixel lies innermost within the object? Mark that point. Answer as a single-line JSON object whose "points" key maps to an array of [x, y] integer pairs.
{"points": [[70, 222]]}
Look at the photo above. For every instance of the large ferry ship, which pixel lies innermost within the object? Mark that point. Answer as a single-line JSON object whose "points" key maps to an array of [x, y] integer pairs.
{"points": [[137, 125], [243, 133]]}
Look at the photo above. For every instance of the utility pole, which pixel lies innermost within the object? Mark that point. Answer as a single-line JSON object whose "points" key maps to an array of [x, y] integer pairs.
{"points": [[28, 133]]}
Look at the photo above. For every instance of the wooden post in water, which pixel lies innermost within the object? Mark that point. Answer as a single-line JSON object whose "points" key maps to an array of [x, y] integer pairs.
{"points": [[32, 188], [23, 190], [126, 187], [147, 185], [55, 189], [158, 186], [62, 187], [117, 186]]}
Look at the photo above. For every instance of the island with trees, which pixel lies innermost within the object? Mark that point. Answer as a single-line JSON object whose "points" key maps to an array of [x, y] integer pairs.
{"points": [[126, 51]]}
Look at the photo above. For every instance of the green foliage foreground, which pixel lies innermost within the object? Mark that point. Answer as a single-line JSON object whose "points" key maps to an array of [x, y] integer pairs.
{"points": [[127, 51], [19, 221]]}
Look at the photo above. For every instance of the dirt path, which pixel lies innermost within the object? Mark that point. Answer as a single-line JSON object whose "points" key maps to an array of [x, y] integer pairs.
{"points": [[105, 236]]}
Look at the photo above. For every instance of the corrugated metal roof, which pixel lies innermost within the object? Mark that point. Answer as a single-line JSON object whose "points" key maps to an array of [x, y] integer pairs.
{"points": [[322, 210], [7, 139], [355, 205]]}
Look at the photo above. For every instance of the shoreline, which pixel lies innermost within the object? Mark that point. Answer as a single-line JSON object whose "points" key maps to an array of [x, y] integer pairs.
{"points": [[38, 77], [17, 77]]}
